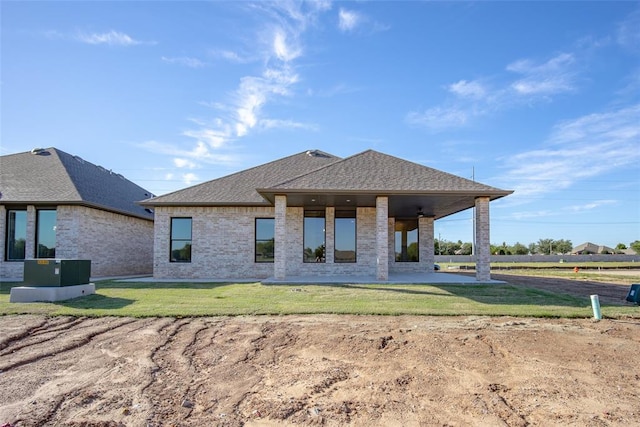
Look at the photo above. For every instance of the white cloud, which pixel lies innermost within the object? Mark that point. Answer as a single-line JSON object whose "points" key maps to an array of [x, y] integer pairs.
{"points": [[201, 153], [189, 178], [184, 60], [286, 124], [348, 20], [111, 38], [230, 56], [439, 118], [184, 163], [549, 78], [465, 89], [284, 49], [628, 34], [590, 206], [588, 146]]}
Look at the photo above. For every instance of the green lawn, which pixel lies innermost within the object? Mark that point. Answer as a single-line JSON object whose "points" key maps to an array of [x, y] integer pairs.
{"points": [[208, 299]]}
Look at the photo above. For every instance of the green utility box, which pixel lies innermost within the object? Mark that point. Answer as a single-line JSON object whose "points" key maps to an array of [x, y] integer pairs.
{"points": [[634, 294], [56, 272]]}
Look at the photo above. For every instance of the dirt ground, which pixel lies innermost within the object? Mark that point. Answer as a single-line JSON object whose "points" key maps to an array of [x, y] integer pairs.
{"points": [[320, 370]]}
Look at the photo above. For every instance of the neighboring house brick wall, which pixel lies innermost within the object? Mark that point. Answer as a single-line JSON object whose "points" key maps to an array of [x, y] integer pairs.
{"points": [[116, 244]]}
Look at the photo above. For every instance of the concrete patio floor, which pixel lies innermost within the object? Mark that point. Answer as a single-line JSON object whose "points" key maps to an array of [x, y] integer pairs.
{"points": [[439, 278]]}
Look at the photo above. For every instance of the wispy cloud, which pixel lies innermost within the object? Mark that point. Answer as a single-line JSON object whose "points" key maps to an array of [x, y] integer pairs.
{"points": [[468, 89], [185, 61], [474, 98], [549, 78], [110, 38], [276, 46], [438, 118], [348, 20], [590, 206], [628, 33], [577, 149]]}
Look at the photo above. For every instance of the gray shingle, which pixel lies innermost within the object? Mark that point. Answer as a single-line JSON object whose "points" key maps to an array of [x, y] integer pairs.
{"points": [[374, 171], [240, 188], [56, 177]]}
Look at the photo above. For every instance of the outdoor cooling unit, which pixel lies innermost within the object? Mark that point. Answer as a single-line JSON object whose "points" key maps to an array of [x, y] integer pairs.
{"points": [[56, 272], [634, 294]]}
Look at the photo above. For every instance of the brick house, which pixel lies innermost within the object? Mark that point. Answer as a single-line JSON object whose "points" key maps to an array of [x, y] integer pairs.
{"points": [[313, 214], [56, 205]]}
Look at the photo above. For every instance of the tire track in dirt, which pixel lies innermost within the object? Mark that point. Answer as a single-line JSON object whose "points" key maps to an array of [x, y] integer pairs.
{"points": [[42, 333], [68, 344]]}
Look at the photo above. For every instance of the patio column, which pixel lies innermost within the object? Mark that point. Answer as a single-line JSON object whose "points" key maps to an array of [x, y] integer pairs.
{"points": [[280, 249], [30, 244], [483, 248], [425, 239], [382, 237]]}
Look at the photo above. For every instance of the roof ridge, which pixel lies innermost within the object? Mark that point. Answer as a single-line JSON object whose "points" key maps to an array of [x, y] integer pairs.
{"points": [[341, 160], [66, 170]]}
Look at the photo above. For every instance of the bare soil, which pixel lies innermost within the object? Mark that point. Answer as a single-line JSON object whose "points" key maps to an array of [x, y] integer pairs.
{"points": [[321, 370]]}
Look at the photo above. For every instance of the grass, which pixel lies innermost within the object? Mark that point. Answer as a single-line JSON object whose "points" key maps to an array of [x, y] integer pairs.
{"points": [[232, 299]]}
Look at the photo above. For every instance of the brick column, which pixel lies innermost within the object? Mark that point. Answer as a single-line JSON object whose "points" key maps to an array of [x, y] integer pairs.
{"points": [[280, 250], [482, 249], [30, 244], [382, 237], [425, 240]]}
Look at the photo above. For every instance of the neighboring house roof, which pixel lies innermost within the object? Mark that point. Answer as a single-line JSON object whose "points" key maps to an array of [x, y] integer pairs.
{"points": [[51, 176], [240, 188], [592, 248]]}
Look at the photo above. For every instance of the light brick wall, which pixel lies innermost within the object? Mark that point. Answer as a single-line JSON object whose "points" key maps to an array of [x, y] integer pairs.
{"points": [[223, 243], [116, 244]]}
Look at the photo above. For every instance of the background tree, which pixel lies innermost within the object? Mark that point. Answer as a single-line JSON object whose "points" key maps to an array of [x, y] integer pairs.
{"points": [[635, 245], [563, 246], [545, 246], [621, 247], [519, 249], [533, 248]]}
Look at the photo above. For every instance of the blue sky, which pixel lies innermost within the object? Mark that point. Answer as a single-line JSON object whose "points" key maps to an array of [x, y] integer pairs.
{"points": [[538, 97]]}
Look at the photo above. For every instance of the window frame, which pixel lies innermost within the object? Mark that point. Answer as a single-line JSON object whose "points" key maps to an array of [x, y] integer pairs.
{"points": [[417, 241], [348, 215], [172, 240], [257, 241], [314, 213], [8, 234], [38, 233]]}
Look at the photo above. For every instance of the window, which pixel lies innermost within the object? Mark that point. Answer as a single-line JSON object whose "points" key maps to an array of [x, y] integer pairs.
{"points": [[46, 233], [16, 235], [265, 239], [406, 240], [345, 237], [314, 236], [180, 239]]}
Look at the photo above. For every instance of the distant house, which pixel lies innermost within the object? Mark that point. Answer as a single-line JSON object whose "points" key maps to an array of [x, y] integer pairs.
{"points": [[56, 205], [315, 215], [589, 248]]}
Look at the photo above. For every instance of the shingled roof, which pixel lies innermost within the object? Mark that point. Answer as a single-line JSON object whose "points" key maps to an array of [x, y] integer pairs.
{"points": [[316, 179], [51, 176], [380, 173], [239, 189]]}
